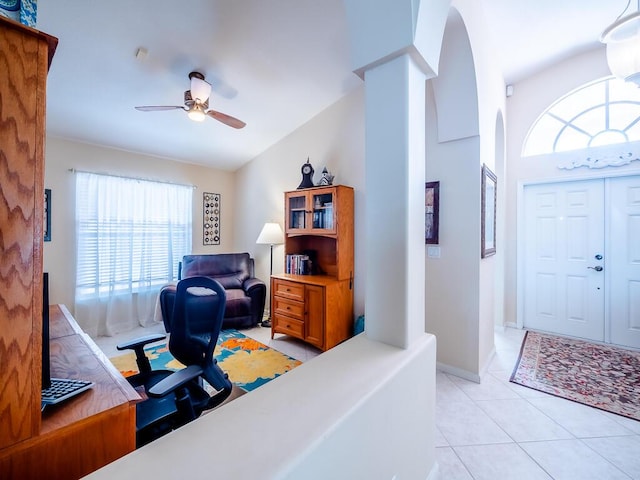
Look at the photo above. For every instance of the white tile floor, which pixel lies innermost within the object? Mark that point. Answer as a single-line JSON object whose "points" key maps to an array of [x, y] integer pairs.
{"points": [[497, 430]]}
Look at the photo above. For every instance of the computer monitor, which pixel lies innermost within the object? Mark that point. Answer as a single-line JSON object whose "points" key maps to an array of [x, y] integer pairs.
{"points": [[46, 359]]}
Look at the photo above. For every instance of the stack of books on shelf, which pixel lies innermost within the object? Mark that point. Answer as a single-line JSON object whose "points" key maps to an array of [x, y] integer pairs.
{"points": [[298, 265]]}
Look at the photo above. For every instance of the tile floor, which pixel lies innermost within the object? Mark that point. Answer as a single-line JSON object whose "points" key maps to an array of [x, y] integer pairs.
{"points": [[497, 430]]}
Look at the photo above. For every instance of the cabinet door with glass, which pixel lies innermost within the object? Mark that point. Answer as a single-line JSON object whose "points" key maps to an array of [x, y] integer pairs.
{"points": [[310, 211]]}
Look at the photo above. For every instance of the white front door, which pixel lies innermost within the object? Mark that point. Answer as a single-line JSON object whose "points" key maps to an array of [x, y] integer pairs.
{"points": [[564, 258], [623, 263]]}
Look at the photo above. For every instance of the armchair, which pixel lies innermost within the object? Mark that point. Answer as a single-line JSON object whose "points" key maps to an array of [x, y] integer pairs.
{"points": [[176, 398], [245, 293]]}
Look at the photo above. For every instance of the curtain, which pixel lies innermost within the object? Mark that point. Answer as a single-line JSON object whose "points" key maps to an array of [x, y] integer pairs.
{"points": [[130, 236]]}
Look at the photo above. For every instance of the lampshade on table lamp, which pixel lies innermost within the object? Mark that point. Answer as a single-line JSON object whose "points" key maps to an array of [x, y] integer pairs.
{"points": [[271, 235]]}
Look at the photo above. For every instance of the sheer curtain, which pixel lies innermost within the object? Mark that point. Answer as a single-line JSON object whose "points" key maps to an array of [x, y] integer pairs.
{"points": [[130, 236]]}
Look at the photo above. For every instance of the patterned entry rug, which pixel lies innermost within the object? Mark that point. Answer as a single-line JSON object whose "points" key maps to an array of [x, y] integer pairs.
{"points": [[600, 376], [248, 363]]}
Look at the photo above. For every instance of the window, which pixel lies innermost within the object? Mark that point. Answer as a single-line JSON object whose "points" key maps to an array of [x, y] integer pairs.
{"points": [[130, 234], [604, 112]]}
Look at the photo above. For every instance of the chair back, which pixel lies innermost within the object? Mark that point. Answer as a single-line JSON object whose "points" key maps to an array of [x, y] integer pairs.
{"points": [[197, 317]]}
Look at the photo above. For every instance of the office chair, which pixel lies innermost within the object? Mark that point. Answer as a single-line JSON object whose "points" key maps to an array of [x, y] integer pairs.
{"points": [[172, 399]]}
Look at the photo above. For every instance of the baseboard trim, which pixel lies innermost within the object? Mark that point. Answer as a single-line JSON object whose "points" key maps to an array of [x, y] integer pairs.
{"points": [[434, 474], [458, 372]]}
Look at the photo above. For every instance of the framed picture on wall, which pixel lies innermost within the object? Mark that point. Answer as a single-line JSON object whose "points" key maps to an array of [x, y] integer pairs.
{"points": [[211, 218], [488, 216], [431, 211]]}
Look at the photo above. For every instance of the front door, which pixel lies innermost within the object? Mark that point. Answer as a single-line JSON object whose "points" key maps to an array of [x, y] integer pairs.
{"points": [[624, 261], [564, 258], [568, 274]]}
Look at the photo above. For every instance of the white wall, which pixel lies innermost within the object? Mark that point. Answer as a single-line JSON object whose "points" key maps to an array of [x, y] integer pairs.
{"points": [[62, 155], [530, 98], [351, 413], [460, 294], [335, 139]]}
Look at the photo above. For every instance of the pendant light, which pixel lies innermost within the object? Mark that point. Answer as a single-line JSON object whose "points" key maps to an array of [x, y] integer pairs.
{"points": [[622, 38]]}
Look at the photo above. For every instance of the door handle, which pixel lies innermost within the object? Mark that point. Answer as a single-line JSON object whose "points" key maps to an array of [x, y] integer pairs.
{"points": [[597, 268]]}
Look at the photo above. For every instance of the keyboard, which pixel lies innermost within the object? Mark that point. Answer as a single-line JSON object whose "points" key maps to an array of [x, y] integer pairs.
{"points": [[62, 389]]}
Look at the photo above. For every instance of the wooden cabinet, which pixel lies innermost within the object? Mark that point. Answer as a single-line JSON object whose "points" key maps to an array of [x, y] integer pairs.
{"points": [[25, 55], [317, 308], [83, 433], [98, 426], [310, 211]]}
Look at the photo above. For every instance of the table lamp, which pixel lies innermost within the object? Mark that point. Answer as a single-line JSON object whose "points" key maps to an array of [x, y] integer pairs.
{"points": [[271, 235]]}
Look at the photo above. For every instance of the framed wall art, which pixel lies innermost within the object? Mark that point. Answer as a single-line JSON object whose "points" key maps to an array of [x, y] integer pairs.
{"points": [[47, 215], [211, 218], [431, 211], [488, 215]]}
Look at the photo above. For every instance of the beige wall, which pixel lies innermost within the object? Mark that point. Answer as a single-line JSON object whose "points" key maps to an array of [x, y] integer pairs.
{"points": [[63, 155], [335, 139]]}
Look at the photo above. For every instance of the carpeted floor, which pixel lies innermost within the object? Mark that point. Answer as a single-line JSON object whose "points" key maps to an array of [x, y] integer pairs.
{"points": [[601, 376], [248, 363]]}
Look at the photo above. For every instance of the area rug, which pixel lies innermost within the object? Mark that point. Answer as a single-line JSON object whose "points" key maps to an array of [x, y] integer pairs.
{"points": [[248, 363], [601, 376]]}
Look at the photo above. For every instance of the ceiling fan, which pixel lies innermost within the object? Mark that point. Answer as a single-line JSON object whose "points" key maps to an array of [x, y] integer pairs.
{"points": [[196, 103]]}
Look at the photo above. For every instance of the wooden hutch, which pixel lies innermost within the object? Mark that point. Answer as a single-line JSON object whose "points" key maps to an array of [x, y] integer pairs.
{"points": [[98, 426], [314, 301]]}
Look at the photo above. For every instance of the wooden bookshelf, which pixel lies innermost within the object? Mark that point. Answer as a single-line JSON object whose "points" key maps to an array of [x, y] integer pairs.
{"points": [[317, 307]]}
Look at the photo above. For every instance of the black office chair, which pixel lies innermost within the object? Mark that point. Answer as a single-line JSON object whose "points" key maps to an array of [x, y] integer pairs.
{"points": [[176, 398]]}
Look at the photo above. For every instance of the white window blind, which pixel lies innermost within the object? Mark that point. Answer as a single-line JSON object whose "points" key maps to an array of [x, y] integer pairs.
{"points": [[130, 234]]}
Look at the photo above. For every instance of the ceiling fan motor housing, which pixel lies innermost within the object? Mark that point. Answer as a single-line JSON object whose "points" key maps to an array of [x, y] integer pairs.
{"points": [[188, 100]]}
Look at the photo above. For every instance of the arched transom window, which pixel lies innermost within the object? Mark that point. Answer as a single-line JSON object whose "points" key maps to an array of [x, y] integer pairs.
{"points": [[601, 113]]}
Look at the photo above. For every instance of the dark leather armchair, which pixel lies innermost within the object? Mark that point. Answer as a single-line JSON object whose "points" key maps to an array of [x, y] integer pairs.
{"points": [[236, 273], [176, 398]]}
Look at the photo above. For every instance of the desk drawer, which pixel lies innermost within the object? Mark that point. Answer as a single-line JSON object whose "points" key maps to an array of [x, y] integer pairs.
{"points": [[288, 325], [292, 290], [291, 308]]}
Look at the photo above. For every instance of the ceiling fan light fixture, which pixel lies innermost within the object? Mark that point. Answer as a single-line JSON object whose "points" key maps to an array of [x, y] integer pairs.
{"points": [[622, 38], [196, 113], [196, 104], [200, 89]]}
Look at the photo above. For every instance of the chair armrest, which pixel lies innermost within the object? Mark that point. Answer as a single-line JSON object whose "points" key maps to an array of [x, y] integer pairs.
{"points": [[137, 345], [252, 284], [141, 341], [175, 381]]}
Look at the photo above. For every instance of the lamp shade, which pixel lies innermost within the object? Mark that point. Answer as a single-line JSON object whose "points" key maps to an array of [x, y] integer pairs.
{"points": [[200, 89], [271, 234], [623, 48], [624, 59]]}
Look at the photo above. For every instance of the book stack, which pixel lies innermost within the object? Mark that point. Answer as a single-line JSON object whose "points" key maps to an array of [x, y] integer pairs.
{"points": [[298, 265]]}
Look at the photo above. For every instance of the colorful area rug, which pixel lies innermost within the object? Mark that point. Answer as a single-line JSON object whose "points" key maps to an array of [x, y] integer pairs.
{"points": [[600, 376], [248, 362]]}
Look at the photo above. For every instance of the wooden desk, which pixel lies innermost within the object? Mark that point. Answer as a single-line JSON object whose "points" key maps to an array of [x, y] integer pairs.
{"points": [[86, 432]]}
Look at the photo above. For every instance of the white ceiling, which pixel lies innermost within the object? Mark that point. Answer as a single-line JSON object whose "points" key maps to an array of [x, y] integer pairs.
{"points": [[274, 65]]}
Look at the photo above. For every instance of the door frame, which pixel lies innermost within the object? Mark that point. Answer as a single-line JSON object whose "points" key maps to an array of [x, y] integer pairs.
{"points": [[520, 229]]}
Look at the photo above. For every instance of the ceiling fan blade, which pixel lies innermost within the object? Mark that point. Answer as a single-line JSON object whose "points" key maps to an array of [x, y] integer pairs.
{"points": [[200, 89], [226, 119], [157, 108]]}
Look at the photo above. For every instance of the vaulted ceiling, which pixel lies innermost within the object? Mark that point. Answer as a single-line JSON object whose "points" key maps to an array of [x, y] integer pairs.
{"points": [[274, 65]]}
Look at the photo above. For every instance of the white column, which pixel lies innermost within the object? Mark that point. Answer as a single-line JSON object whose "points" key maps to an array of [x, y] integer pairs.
{"points": [[395, 177]]}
